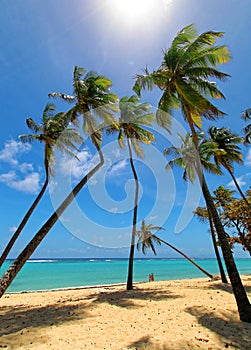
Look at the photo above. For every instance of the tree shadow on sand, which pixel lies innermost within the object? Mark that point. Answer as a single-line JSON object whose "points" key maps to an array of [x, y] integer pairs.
{"points": [[129, 298], [227, 287], [146, 343], [231, 332], [16, 319]]}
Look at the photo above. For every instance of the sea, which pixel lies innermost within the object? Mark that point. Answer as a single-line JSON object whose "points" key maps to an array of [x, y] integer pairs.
{"points": [[49, 274]]}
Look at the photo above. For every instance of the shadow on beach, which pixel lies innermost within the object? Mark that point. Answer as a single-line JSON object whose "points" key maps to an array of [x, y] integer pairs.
{"points": [[16, 319], [227, 287], [234, 333], [129, 299]]}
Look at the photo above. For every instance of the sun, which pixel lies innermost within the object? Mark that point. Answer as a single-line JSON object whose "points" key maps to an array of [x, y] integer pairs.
{"points": [[132, 9]]}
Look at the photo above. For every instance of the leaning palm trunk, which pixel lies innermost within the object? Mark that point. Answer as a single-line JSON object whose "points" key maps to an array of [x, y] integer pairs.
{"points": [[243, 304], [238, 187], [241, 298], [13, 270], [185, 256], [27, 216], [129, 285], [216, 250]]}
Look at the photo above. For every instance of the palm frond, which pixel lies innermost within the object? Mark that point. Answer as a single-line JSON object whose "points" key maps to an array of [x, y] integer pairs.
{"points": [[65, 97], [183, 37], [33, 126], [28, 138], [246, 115], [144, 82], [78, 73]]}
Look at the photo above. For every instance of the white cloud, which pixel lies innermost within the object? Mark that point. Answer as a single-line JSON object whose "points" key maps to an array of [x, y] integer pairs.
{"points": [[114, 210], [8, 177], [13, 229], [248, 158], [152, 218], [116, 168], [116, 152], [13, 149], [167, 3], [76, 168], [239, 180], [25, 167], [30, 184]]}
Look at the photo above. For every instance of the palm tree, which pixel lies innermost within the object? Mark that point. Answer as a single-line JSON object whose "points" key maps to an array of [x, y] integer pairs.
{"points": [[228, 142], [246, 115], [91, 92], [184, 77], [147, 239], [133, 115], [91, 97], [185, 157], [53, 132]]}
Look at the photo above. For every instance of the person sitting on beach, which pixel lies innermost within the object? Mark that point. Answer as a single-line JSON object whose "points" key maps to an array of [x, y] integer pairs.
{"points": [[151, 277]]}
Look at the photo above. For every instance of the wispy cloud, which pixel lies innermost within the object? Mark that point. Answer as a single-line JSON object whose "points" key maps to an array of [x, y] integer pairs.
{"points": [[25, 168], [248, 158], [152, 217], [116, 152], [167, 3], [12, 150], [240, 181], [114, 210], [117, 168], [76, 168], [12, 229]]}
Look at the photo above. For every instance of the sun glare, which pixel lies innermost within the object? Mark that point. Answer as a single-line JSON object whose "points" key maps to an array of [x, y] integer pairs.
{"points": [[132, 9]]}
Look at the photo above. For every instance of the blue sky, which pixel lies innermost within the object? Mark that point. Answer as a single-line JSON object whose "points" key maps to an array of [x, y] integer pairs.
{"points": [[41, 41]]}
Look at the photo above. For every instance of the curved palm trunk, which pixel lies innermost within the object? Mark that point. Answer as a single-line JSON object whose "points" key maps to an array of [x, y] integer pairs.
{"points": [[16, 266], [237, 186], [129, 285], [243, 304], [28, 214], [216, 250], [186, 257]]}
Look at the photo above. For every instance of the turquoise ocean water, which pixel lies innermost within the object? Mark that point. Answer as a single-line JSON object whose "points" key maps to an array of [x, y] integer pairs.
{"points": [[64, 273]]}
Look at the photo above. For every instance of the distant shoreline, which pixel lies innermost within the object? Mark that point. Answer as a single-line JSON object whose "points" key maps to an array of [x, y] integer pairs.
{"points": [[65, 274]]}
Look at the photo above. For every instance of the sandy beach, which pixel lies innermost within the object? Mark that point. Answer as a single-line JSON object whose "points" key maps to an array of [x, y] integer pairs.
{"points": [[184, 314]]}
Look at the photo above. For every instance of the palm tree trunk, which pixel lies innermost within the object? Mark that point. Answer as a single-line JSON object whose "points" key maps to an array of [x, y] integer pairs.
{"points": [[240, 294], [16, 266], [237, 186], [186, 257], [28, 214], [129, 285], [243, 304], [216, 250]]}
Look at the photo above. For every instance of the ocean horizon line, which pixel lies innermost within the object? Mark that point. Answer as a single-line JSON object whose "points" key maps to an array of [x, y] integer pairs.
{"points": [[52, 259]]}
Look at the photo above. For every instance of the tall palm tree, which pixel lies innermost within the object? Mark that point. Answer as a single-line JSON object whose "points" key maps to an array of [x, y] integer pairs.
{"points": [[147, 239], [228, 142], [186, 157], [184, 77], [53, 132], [129, 125], [91, 91]]}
